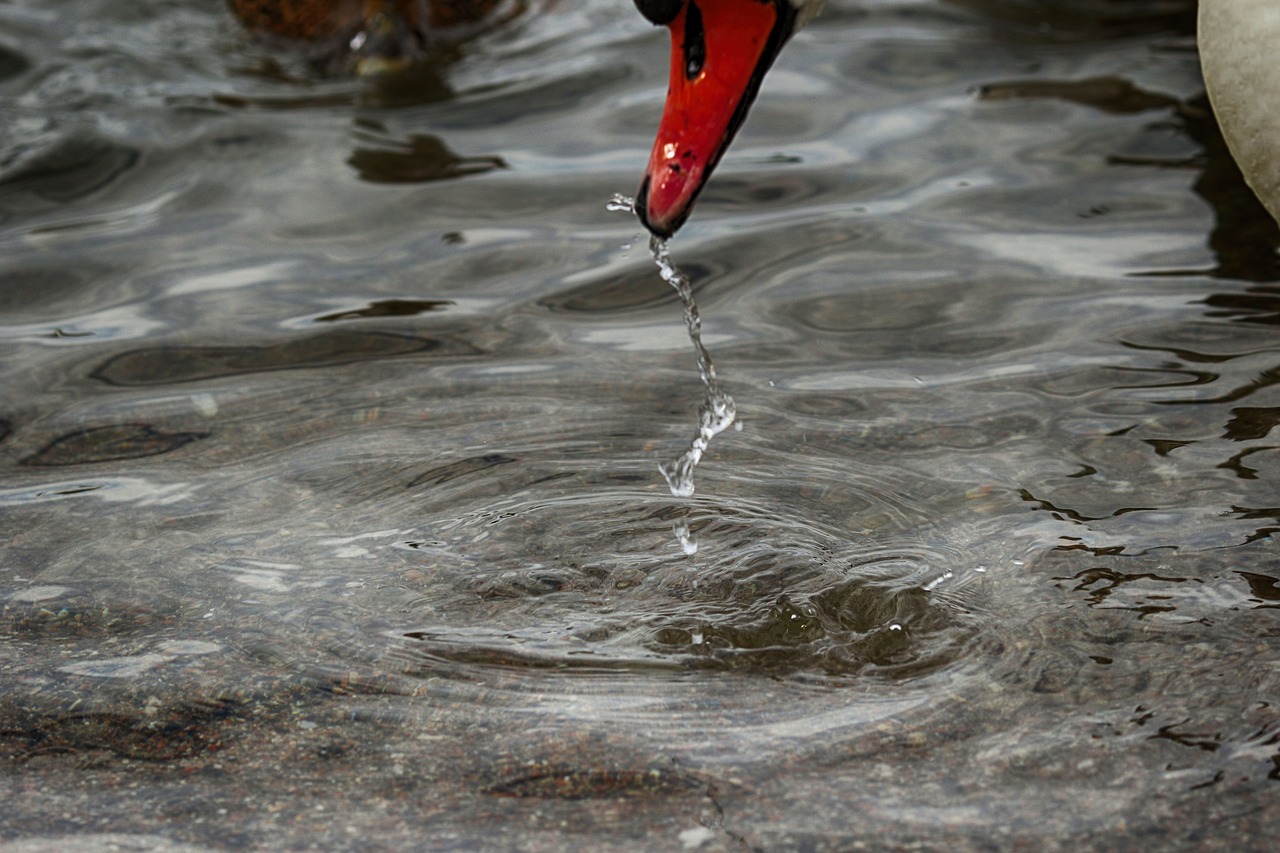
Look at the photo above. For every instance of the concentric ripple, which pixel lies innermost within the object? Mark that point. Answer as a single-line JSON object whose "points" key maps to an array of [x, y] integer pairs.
{"points": [[571, 600]]}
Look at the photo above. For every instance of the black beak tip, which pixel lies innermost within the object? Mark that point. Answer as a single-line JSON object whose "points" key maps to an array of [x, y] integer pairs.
{"points": [[663, 230]]}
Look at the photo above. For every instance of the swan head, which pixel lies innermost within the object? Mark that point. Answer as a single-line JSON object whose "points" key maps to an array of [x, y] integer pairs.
{"points": [[720, 52]]}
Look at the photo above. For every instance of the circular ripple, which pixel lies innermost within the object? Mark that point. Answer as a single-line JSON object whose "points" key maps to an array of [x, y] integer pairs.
{"points": [[764, 595], [586, 608]]}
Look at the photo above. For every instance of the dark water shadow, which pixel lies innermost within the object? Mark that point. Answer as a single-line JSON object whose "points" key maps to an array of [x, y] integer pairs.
{"points": [[12, 63], [76, 167], [27, 736], [635, 288], [110, 443], [387, 308], [416, 159], [164, 365], [1088, 20]]}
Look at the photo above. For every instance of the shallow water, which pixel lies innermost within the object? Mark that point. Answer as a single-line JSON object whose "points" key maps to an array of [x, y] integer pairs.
{"points": [[331, 510]]}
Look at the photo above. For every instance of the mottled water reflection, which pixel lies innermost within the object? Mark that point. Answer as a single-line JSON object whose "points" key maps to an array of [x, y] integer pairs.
{"points": [[331, 512]]}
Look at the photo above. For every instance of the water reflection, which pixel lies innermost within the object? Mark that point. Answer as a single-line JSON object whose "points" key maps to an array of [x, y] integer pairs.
{"points": [[75, 168], [334, 405], [371, 37], [169, 365], [415, 160], [1246, 240], [109, 443], [1071, 20]]}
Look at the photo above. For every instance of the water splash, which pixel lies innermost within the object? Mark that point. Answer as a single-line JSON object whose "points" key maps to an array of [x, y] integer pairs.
{"points": [[718, 411]]}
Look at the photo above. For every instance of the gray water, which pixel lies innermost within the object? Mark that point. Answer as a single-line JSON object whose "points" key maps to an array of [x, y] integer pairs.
{"points": [[333, 408]]}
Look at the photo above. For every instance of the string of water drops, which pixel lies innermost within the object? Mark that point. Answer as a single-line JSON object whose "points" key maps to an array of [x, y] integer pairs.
{"points": [[717, 412]]}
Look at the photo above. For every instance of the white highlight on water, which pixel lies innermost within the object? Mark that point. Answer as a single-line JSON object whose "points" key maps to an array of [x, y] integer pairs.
{"points": [[933, 584]]}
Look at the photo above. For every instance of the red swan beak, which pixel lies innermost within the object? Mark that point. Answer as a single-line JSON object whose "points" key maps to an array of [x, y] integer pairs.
{"points": [[720, 51]]}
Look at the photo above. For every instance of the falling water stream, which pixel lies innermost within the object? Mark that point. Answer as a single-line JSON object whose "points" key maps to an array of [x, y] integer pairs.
{"points": [[717, 412]]}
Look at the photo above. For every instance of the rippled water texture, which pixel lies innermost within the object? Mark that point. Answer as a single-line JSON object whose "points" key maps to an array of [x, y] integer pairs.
{"points": [[333, 408]]}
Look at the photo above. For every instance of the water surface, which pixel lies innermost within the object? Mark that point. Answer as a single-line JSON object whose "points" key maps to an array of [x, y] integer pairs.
{"points": [[333, 408]]}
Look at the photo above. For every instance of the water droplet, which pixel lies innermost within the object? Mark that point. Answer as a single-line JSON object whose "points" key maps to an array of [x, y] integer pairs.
{"points": [[687, 543], [205, 403], [621, 203]]}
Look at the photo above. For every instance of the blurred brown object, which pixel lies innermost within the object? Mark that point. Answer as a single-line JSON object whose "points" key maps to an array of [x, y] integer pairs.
{"points": [[317, 20]]}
